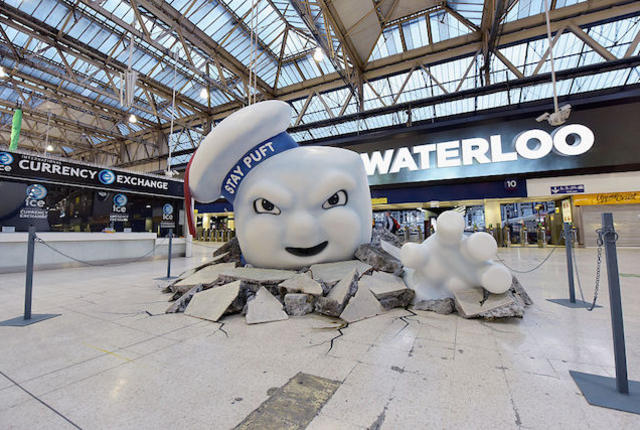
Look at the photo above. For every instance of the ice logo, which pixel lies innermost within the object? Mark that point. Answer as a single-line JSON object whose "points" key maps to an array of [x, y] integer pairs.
{"points": [[167, 209], [6, 158], [106, 176], [36, 192], [120, 200]]}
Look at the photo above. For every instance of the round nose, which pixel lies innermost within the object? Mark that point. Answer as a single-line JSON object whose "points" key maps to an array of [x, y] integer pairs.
{"points": [[302, 230]]}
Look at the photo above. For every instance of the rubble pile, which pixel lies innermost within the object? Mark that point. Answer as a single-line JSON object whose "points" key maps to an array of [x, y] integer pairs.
{"points": [[351, 290]]}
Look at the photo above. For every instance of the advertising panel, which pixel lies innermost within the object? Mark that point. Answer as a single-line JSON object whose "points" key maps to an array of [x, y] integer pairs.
{"points": [[593, 137], [32, 167]]}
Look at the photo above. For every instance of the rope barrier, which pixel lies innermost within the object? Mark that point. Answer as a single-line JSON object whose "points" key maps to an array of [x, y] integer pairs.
{"points": [[530, 270], [54, 249]]}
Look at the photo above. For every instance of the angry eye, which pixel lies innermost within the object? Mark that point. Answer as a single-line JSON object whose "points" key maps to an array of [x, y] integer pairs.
{"points": [[338, 199], [264, 206]]}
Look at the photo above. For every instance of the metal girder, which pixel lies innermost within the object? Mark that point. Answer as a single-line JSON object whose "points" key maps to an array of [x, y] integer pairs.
{"points": [[492, 15], [48, 34], [57, 88], [533, 27], [325, 42], [197, 37], [68, 124], [474, 92], [165, 50]]}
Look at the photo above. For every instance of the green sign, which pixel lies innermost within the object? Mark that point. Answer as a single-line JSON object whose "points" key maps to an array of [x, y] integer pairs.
{"points": [[15, 129]]}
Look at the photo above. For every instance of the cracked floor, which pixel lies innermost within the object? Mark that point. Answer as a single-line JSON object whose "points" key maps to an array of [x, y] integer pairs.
{"points": [[114, 360]]}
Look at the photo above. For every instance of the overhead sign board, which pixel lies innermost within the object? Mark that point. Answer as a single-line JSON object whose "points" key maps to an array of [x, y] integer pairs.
{"points": [[567, 189], [607, 199], [595, 137], [32, 167]]}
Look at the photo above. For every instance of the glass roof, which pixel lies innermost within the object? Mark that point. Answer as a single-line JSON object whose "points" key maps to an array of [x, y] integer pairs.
{"points": [[569, 52], [78, 51]]}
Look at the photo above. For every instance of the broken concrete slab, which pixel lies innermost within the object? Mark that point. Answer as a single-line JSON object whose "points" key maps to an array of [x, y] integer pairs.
{"points": [[363, 305], [181, 304], [441, 306], [213, 303], [330, 273], [471, 303], [379, 234], [298, 304], [207, 275], [232, 248], [334, 303], [390, 290], [302, 283], [216, 260], [264, 308], [380, 259], [518, 290], [257, 276]]}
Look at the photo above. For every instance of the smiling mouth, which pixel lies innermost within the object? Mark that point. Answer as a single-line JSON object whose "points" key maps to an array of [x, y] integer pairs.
{"points": [[307, 252]]}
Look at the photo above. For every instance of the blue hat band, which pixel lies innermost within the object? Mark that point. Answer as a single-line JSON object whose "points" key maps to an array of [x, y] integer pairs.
{"points": [[249, 161]]}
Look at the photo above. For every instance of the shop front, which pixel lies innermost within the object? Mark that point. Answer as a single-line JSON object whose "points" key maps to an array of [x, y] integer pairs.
{"points": [[72, 205], [60, 196], [485, 169]]}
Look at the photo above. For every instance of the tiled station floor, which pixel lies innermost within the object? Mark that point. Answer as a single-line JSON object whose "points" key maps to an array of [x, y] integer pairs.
{"points": [[113, 360]]}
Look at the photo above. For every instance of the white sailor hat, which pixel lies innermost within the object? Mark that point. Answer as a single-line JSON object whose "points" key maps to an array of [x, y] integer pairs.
{"points": [[232, 149]]}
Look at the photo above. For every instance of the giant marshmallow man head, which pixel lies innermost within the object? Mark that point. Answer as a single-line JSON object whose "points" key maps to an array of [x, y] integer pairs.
{"points": [[294, 206]]}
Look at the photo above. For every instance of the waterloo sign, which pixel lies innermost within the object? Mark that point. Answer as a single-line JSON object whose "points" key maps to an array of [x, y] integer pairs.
{"points": [[570, 140], [594, 139]]}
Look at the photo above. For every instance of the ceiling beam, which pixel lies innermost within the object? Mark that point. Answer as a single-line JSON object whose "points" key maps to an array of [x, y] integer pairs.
{"points": [[197, 37], [155, 44], [48, 34], [533, 27], [324, 41]]}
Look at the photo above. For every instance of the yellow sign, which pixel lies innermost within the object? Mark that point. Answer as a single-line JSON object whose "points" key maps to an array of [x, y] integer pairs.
{"points": [[607, 198], [379, 201]]}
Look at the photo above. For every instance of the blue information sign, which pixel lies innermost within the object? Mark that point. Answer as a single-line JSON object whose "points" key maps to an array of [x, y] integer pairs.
{"points": [[567, 189]]}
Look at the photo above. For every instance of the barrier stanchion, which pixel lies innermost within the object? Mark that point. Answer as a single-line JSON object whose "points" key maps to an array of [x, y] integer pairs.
{"points": [[571, 302], [28, 318], [614, 393], [169, 255]]}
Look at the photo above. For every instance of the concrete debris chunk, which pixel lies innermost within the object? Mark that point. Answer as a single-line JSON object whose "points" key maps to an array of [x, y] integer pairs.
{"points": [[257, 276], [298, 304], [232, 249], [171, 287], [330, 273], [375, 256], [335, 301], [206, 275], [181, 304], [471, 303], [264, 308], [383, 234], [212, 303], [362, 305], [441, 306], [518, 290], [390, 290], [302, 283]]}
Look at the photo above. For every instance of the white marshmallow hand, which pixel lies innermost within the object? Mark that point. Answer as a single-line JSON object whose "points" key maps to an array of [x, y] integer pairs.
{"points": [[449, 261]]}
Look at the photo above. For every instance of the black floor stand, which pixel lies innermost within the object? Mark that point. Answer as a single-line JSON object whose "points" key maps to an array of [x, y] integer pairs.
{"points": [[614, 393], [571, 302], [28, 318]]}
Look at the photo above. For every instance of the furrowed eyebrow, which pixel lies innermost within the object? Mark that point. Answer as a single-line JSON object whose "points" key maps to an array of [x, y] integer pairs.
{"points": [[271, 191], [334, 182]]}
